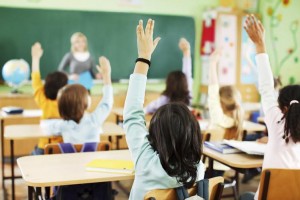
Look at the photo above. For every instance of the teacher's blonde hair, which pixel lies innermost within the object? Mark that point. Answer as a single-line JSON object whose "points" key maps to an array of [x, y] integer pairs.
{"points": [[74, 37]]}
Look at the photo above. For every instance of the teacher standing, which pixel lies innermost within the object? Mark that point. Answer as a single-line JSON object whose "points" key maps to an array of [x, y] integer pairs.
{"points": [[79, 59]]}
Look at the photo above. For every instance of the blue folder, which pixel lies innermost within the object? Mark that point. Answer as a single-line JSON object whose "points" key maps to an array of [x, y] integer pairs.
{"points": [[85, 79]]}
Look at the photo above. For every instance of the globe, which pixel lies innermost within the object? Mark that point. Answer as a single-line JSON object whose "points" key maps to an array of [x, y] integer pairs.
{"points": [[15, 73]]}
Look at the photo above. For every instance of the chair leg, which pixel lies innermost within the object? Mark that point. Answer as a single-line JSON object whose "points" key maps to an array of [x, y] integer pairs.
{"points": [[235, 193]]}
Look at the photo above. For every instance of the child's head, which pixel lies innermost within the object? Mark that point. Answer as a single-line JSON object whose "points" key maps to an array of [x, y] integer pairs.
{"points": [[73, 100], [177, 87], [230, 99], [288, 100], [53, 83], [174, 133], [79, 42]]}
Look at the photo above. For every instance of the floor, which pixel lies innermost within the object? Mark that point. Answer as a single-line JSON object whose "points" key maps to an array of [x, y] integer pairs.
{"points": [[21, 189]]}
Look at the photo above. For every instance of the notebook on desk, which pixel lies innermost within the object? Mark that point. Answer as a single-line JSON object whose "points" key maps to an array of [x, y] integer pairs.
{"points": [[12, 110], [249, 147], [111, 166], [221, 147]]}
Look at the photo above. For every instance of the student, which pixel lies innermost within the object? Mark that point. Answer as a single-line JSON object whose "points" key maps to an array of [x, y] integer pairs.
{"points": [[45, 95], [169, 154], [79, 59], [224, 103], [282, 115], [77, 126], [178, 83]]}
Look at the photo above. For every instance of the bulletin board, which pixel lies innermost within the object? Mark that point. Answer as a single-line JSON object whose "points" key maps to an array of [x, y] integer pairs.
{"points": [[226, 40], [237, 65]]}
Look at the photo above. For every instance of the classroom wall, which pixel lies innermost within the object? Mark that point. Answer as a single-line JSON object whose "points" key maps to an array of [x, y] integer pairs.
{"points": [[282, 22], [192, 8], [285, 12]]}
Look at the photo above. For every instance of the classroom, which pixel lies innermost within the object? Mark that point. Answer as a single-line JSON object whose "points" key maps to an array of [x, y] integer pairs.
{"points": [[150, 99]]}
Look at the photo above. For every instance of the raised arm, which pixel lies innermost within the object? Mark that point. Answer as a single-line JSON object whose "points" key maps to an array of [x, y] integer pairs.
{"points": [[105, 105], [256, 32], [185, 47], [215, 110], [134, 121], [37, 85]]}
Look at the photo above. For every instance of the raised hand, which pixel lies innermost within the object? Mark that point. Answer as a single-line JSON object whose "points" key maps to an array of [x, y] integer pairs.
{"points": [[145, 42], [36, 54], [105, 69], [185, 47], [256, 32], [36, 51], [213, 63], [145, 45], [215, 56]]}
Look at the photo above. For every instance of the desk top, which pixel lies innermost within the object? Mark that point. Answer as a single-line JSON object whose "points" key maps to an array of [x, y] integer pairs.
{"points": [[261, 119], [28, 131], [238, 160], [68, 169], [252, 126], [35, 113], [118, 111]]}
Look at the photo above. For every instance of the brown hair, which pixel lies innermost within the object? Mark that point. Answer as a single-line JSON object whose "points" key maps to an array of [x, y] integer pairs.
{"points": [[177, 88], [72, 102], [230, 100], [53, 82]]}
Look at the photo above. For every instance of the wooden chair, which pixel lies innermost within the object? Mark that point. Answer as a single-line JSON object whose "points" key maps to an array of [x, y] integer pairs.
{"points": [[279, 184], [205, 138], [215, 191], [54, 148], [218, 134]]}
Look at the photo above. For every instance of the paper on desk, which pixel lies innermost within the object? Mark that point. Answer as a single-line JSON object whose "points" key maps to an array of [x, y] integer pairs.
{"points": [[248, 147]]}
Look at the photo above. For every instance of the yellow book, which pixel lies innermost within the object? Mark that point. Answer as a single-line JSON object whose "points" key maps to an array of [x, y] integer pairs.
{"points": [[112, 166]]}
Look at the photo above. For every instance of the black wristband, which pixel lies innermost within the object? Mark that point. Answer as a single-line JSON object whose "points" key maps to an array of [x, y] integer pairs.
{"points": [[144, 61]]}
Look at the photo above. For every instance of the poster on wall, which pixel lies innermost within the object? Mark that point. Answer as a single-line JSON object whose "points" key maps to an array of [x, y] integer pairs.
{"points": [[248, 65], [207, 42], [226, 40]]}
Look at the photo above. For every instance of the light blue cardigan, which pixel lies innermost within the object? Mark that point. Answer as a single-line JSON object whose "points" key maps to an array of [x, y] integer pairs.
{"points": [[149, 173]]}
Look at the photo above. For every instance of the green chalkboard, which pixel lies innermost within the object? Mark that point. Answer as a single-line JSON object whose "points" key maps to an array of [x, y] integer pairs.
{"points": [[110, 34]]}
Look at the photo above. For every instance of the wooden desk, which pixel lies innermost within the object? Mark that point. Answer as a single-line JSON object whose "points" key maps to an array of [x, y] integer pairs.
{"points": [[261, 120], [118, 111], [253, 127], [239, 162], [27, 114], [247, 126], [30, 131], [68, 169]]}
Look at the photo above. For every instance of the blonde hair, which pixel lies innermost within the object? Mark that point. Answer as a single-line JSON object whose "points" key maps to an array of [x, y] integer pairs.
{"points": [[230, 99], [74, 37]]}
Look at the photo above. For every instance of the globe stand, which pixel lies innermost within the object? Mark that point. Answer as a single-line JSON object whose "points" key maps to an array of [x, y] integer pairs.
{"points": [[15, 91]]}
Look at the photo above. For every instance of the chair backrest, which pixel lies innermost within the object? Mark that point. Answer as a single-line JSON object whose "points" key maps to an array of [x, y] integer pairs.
{"points": [[54, 148], [215, 191], [279, 184], [81, 191]]}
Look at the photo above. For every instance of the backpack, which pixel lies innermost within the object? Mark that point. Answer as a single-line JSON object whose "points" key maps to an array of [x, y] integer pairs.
{"points": [[202, 191], [91, 191]]}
